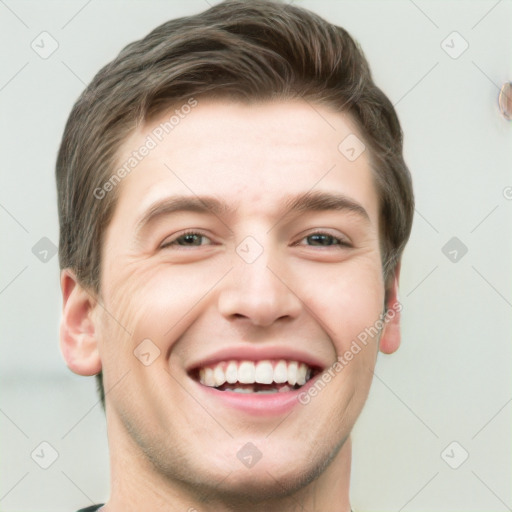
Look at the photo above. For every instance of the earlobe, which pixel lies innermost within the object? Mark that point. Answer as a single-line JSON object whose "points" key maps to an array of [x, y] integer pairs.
{"points": [[78, 342], [390, 339]]}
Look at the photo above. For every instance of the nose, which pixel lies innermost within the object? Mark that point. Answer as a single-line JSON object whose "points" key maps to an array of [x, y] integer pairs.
{"points": [[259, 294]]}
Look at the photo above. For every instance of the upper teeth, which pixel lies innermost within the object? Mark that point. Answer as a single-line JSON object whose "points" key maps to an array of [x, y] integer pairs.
{"points": [[250, 372]]}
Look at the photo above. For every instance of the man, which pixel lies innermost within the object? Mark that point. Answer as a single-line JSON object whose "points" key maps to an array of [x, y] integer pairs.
{"points": [[233, 204]]}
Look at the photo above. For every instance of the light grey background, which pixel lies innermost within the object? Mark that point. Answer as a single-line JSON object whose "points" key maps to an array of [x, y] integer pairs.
{"points": [[450, 381]]}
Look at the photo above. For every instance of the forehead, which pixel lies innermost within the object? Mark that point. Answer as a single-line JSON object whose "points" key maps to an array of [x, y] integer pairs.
{"points": [[250, 155]]}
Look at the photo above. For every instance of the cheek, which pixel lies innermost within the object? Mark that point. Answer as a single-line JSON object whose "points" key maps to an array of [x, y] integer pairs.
{"points": [[345, 299], [156, 302]]}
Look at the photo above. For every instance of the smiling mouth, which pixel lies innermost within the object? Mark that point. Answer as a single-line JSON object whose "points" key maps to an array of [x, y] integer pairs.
{"points": [[262, 377]]}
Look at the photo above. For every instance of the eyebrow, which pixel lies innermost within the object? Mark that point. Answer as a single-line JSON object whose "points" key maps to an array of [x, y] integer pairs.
{"points": [[321, 201], [169, 205], [310, 201]]}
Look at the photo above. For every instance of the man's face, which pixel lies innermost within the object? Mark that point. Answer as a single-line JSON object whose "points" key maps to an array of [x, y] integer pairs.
{"points": [[216, 257]]}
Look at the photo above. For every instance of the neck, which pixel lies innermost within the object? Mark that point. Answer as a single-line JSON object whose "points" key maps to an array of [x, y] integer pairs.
{"points": [[136, 485]]}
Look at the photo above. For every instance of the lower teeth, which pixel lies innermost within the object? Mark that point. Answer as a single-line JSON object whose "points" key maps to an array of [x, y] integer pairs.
{"points": [[267, 391], [240, 390]]}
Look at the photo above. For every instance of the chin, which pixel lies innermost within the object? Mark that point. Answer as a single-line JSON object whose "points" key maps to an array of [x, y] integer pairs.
{"points": [[259, 485], [267, 479]]}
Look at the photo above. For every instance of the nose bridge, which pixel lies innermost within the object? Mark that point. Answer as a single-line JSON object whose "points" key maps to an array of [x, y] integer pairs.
{"points": [[254, 291], [257, 277], [251, 261]]}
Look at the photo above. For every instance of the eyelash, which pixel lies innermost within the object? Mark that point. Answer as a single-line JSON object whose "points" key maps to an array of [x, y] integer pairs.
{"points": [[182, 235], [340, 243]]}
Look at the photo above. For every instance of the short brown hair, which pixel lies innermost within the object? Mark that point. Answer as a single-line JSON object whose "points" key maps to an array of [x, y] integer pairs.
{"points": [[258, 50]]}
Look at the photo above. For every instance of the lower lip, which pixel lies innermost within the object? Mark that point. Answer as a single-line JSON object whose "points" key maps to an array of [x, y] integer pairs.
{"points": [[258, 403]]}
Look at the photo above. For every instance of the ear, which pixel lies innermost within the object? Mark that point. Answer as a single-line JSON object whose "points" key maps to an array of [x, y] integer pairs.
{"points": [[390, 339], [78, 342]]}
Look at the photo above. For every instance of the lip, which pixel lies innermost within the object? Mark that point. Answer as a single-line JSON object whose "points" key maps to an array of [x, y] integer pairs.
{"points": [[255, 353], [275, 404]]}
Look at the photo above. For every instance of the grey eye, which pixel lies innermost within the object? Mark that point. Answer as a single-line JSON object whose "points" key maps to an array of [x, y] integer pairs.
{"points": [[322, 239]]}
